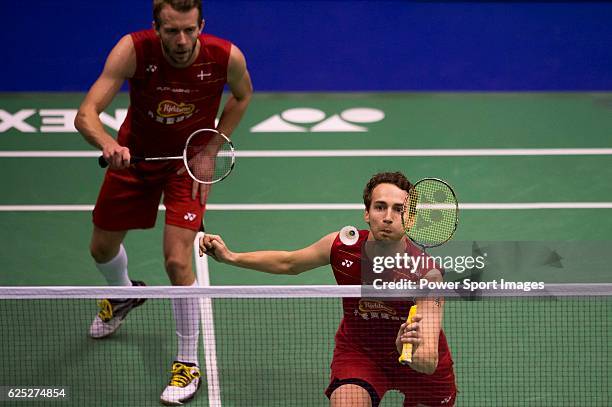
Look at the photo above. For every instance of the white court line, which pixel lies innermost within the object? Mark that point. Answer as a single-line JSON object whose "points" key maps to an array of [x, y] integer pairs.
{"points": [[476, 152], [324, 207], [48, 154], [480, 152]]}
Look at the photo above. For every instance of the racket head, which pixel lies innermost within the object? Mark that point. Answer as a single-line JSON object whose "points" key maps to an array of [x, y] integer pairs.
{"points": [[209, 156], [430, 213]]}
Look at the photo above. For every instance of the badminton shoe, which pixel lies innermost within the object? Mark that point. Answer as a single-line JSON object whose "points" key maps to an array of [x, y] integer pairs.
{"points": [[112, 314], [184, 384]]}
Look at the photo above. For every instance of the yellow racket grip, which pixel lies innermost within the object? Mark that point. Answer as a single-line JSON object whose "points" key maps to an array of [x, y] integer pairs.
{"points": [[406, 356]]}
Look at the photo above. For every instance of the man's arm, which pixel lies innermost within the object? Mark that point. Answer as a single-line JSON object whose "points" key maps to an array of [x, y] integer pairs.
{"points": [[239, 82], [425, 355], [274, 262], [120, 65]]}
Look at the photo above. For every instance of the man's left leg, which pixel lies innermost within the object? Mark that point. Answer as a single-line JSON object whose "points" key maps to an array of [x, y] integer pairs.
{"points": [[185, 380]]}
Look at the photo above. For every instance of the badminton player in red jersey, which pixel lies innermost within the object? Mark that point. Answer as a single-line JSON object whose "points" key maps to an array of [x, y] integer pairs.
{"points": [[370, 337], [176, 78]]}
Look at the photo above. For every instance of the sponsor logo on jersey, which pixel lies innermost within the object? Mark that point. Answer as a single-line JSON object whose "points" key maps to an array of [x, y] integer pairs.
{"points": [[169, 108], [347, 263], [375, 306]]}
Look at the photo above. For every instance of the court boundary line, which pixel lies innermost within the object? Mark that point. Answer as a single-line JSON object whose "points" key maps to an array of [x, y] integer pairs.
{"points": [[324, 207], [473, 152]]}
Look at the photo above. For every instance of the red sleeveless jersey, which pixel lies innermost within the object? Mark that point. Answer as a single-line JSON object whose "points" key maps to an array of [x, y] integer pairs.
{"points": [[166, 103], [372, 324]]}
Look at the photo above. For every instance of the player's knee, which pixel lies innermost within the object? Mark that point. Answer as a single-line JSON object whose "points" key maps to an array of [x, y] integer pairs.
{"points": [[102, 253], [350, 395], [176, 265], [179, 271]]}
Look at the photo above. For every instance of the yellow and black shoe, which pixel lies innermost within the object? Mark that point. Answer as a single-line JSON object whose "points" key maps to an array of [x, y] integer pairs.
{"points": [[112, 314], [184, 384]]}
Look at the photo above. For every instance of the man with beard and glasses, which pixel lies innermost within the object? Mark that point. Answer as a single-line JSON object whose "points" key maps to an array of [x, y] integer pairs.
{"points": [[176, 79]]}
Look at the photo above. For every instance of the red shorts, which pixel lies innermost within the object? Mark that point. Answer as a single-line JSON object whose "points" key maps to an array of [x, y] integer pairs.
{"points": [[129, 199], [351, 365]]}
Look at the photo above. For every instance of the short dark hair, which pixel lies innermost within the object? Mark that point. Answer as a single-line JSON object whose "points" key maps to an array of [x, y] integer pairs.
{"points": [[396, 178], [178, 5]]}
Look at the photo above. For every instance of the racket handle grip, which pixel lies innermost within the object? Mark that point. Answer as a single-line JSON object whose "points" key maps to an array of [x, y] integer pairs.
{"points": [[406, 356], [103, 163]]}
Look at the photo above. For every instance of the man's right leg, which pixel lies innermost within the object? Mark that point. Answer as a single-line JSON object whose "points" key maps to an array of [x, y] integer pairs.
{"points": [[126, 201], [111, 260], [107, 250], [357, 379]]}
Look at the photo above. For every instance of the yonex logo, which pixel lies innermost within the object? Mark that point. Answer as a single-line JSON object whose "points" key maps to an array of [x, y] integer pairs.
{"points": [[294, 120], [53, 120], [190, 216], [347, 263], [297, 120]]}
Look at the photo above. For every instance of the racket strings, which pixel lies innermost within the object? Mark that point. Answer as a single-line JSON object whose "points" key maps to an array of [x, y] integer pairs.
{"points": [[209, 157], [429, 215]]}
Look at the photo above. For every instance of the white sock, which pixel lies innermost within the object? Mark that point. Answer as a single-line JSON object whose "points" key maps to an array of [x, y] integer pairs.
{"points": [[187, 317], [115, 271]]}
